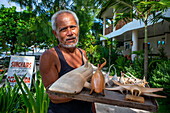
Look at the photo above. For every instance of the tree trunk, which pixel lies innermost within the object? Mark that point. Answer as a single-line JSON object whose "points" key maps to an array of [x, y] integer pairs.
{"points": [[25, 51], [110, 54], [146, 61], [146, 52], [12, 48]]}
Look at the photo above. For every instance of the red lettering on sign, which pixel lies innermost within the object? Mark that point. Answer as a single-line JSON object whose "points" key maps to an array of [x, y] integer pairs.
{"points": [[12, 79], [27, 80], [21, 64], [12, 64]]}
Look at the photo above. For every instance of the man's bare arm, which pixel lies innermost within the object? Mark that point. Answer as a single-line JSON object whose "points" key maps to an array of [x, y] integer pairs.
{"points": [[49, 73]]}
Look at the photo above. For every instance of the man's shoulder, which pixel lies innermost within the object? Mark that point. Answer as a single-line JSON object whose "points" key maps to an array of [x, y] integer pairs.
{"points": [[82, 50], [50, 53]]}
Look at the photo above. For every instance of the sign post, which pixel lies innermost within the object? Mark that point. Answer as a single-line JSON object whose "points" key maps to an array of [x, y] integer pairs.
{"points": [[21, 65]]}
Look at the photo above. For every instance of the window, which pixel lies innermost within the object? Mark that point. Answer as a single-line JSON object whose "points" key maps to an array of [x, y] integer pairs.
{"points": [[127, 46], [160, 43]]}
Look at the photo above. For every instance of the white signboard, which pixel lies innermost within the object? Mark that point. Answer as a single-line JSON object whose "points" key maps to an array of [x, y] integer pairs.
{"points": [[21, 65]]}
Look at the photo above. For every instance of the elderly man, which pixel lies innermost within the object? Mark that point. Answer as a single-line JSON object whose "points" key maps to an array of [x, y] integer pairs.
{"points": [[61, 59]]}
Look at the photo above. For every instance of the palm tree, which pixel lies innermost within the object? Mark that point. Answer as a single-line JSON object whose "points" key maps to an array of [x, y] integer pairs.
{"points": [[144, 10]]}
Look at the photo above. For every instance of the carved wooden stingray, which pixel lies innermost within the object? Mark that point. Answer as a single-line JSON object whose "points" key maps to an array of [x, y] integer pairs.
{"points": [[73, 81], [137, 89]]}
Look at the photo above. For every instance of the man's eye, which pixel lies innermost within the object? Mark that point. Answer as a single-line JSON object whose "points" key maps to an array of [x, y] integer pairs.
{"points": [[63, 29], [72, 27]]}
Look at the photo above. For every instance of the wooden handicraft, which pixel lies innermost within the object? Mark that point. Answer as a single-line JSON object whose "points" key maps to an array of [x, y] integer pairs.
{"points": [[71, 85], [74, 81], [98, 80]]}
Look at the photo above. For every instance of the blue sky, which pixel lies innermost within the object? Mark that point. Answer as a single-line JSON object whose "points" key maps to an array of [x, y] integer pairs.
{"points": [[6, 4]]}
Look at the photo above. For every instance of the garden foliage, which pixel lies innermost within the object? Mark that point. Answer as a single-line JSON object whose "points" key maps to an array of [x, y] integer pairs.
{"points": [[9, 98], [161, 77], [21, 99]]}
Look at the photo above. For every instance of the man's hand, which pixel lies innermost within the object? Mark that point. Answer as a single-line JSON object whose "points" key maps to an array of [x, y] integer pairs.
{"points": [[57, 99]]}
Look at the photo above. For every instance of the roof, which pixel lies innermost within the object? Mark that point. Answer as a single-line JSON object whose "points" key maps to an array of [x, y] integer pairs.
{"points": [[105, 7]]}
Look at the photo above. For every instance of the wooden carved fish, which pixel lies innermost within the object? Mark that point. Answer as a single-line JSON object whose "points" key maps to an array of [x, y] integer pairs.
{"points": [[98, 80], [117, 88], [73, 81], [140, 90]]}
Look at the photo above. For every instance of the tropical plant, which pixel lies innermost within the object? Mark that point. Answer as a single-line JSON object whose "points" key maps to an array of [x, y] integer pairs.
{"points": [[109, 50], [10, 100], [161, 79], [1, 77], [161, 76], [13, 25], [162, 53], [37, 102], [20, 99], [143, 10], [137, 66], [85, 10], [121, 63]]}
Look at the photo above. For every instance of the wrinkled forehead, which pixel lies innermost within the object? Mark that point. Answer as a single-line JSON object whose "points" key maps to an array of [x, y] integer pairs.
{"points": [[62, 17]]}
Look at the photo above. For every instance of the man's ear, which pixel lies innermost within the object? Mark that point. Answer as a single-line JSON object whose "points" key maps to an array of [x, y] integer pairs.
{"points": [[55, 34]]}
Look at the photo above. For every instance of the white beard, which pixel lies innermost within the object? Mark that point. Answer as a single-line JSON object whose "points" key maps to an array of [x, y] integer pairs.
{"points": [[69, 46]]}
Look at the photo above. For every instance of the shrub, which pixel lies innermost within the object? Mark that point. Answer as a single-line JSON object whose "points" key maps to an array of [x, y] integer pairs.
{"points": [[37, 101], [121, 63], [161, 77], [10, 100]]}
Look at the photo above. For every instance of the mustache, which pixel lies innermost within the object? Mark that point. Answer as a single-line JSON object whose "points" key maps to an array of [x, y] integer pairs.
{"points": [[70, 38]]}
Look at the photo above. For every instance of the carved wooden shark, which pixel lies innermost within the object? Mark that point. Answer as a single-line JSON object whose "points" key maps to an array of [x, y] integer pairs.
{"points": [[74, 81]]}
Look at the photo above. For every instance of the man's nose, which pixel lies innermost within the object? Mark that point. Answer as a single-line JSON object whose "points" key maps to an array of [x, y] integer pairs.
{"points": [[69, 31]]}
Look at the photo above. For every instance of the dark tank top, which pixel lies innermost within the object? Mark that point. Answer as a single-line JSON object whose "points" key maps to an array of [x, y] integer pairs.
{"points": [[64, 66], [73, 106]]}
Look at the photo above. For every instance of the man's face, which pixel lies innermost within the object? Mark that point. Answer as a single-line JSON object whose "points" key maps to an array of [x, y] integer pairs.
{"points": [[67, 30]]}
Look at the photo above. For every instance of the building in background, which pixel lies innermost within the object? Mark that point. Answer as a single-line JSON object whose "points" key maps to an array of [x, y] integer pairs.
{"points": [[130, 36]]}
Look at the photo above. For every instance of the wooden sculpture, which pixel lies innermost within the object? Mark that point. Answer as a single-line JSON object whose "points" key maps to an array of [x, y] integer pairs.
{"points": [[108, 79], [129, 79], [117, 88], [122, 78], [98, 81], [135, 89], [140, 90], [74, 81], [107, 76], [132, 80], [141, 83], [115, 76]]}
